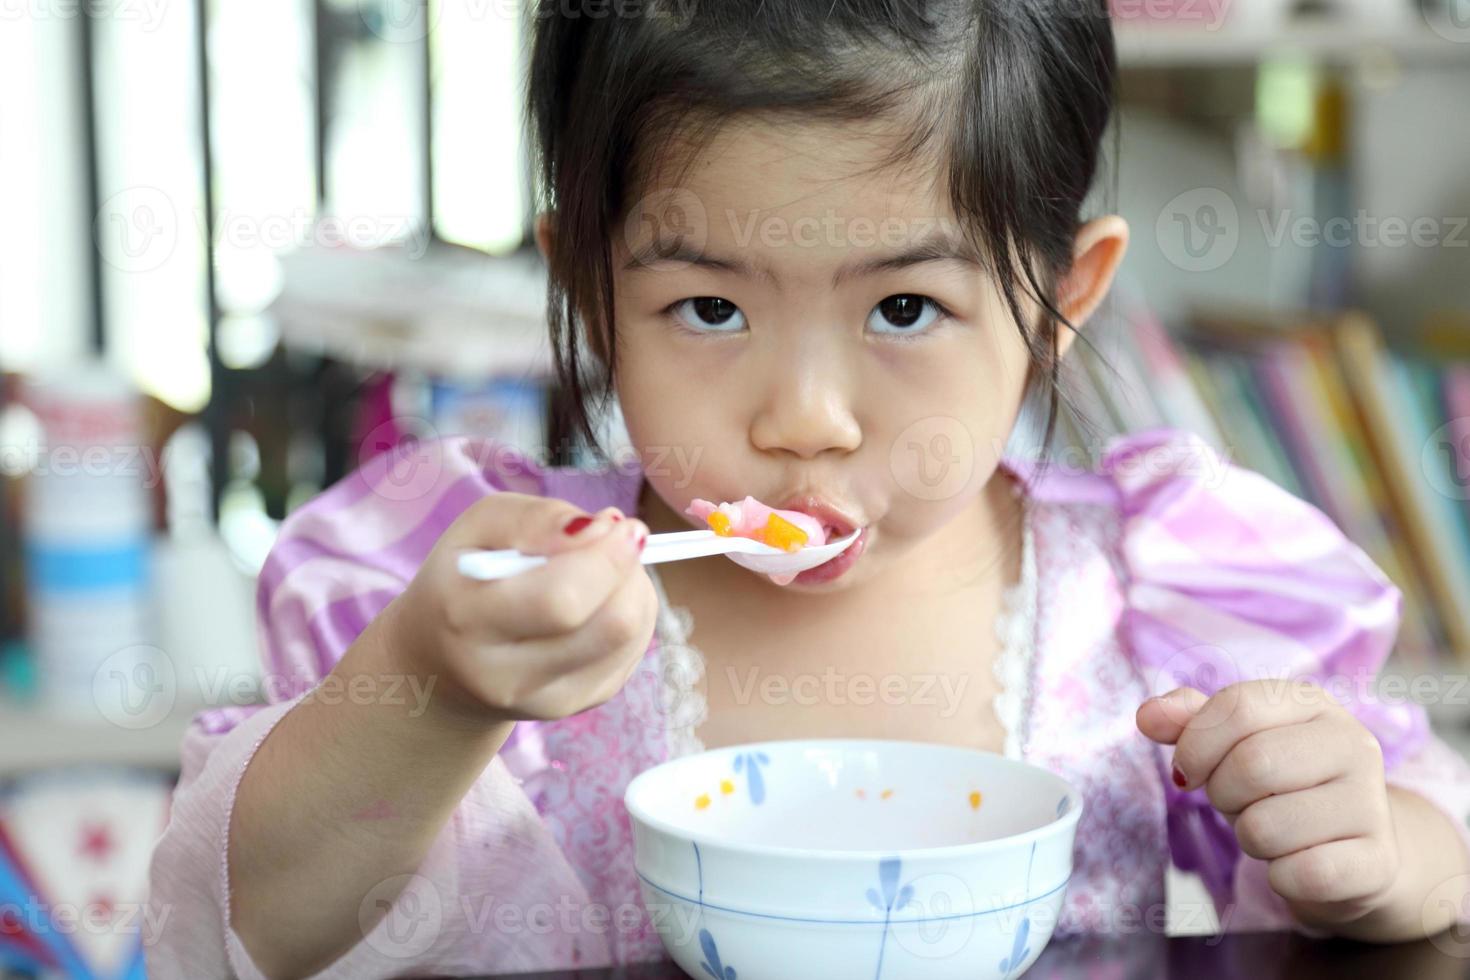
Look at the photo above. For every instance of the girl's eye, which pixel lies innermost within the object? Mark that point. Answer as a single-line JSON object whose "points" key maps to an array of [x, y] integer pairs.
{"points": [[710, 314], [904, 313]]}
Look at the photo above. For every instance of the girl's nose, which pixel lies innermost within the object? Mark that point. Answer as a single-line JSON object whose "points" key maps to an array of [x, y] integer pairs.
{"points": [[805, 410]]}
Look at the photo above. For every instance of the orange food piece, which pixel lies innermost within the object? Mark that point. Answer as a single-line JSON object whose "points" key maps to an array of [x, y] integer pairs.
{"points": [[719, 523], [781, 533]]}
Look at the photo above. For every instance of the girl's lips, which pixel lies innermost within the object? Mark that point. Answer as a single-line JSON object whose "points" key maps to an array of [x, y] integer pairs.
{"points": [[834, 522], [833, 569]]}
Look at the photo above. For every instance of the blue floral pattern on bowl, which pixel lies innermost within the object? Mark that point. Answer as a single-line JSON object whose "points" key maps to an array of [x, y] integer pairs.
{"points": [[750, 763], [893, 899], [711, 962]]}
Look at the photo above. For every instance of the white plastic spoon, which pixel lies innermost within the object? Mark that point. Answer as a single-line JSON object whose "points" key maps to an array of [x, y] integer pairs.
{"points": [[674, 546]]}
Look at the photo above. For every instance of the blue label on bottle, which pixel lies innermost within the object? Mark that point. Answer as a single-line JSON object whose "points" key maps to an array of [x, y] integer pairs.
{"points": [[79, 568]]}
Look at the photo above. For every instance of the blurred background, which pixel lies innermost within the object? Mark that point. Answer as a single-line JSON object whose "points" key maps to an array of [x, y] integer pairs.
{"points": [[248, 244]]}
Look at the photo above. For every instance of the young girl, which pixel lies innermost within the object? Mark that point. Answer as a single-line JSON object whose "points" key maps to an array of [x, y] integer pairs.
{"points": [[820, 252]]}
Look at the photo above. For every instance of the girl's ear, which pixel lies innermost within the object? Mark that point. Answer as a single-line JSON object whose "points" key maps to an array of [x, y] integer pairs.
{"points": [[543, 233], [1099, 250]]}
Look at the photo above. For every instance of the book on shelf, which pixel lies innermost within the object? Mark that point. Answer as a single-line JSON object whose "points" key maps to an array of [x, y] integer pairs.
{"points": [[1379, 440]]}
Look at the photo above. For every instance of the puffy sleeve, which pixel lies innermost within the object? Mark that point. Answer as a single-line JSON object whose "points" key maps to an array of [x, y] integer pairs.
{"points": [[1231, 578], [336, 564]]}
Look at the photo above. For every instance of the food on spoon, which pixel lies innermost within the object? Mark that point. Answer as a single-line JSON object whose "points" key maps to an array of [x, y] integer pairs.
{"points": [[788, 530]]}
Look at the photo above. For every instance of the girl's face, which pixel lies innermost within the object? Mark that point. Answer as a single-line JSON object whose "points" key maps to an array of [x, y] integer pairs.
{"points": [[814, 335]]}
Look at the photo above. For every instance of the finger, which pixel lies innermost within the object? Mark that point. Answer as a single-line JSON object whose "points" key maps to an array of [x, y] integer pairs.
{"points": [[1163, 718], [531, 525], [1280, 825], [1235, 712], [1275, 761], [561, 595], [593, 663], [1356, 869]]}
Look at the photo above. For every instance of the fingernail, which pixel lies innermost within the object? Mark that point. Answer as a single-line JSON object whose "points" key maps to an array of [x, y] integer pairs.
{"points": [[1179, 779], [576, 524]]}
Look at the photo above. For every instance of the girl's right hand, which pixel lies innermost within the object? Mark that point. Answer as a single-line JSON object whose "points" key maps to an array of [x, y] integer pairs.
{"points": [[546, 643]]}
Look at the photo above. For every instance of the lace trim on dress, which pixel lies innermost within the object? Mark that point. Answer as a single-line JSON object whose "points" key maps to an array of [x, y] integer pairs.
{"points": [[1015, 629], [681, 665]]}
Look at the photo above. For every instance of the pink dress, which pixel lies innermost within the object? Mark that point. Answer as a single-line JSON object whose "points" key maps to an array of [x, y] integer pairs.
{"points": [[1165, 566]]}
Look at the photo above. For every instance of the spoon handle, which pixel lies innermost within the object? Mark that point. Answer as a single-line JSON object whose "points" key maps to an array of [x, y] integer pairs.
{"points": [[671, 546]]}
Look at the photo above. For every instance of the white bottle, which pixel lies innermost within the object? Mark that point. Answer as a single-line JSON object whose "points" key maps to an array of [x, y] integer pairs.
{"points": [[86, 532]]}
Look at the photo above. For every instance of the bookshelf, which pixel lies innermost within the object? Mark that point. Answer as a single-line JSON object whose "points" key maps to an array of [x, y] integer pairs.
{"points": [[1368, 433]]}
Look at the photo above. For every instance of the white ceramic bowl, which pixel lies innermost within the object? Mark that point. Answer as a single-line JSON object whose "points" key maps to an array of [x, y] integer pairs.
{"points": [[852, 858]]}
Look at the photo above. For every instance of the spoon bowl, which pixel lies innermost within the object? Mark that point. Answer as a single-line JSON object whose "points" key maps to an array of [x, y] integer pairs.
{"points": [[767, 560]]}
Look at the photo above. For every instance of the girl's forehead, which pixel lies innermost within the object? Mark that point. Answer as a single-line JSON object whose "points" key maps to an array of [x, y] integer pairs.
{"points": [[765, 185]]}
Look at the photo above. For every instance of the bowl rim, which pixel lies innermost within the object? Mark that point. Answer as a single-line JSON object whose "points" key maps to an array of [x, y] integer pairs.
{"points": [[1054, 826]]}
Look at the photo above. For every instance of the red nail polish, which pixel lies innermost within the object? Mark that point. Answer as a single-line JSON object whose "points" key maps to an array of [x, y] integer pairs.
{"points": [[1179, 779], [576, 524], [642, 540]]}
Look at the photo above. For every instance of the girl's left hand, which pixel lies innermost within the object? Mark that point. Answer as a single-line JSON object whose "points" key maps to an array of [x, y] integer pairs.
{"points": [[1301, 782]]}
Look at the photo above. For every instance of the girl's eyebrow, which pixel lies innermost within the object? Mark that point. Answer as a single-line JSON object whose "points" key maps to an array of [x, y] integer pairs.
{"points": [[938, 247]]}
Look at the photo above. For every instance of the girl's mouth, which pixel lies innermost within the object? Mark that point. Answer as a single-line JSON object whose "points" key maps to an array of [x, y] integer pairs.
{"points": [[835, 568]]}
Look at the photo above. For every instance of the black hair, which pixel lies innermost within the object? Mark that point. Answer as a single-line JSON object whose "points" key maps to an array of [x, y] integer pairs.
{"points": [[1008, 99]]}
